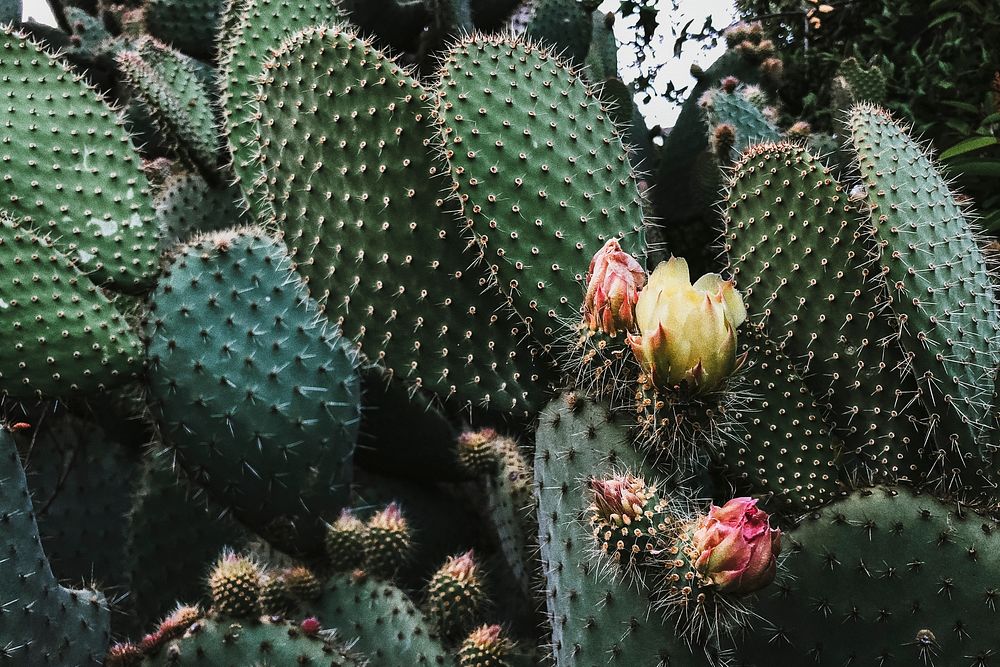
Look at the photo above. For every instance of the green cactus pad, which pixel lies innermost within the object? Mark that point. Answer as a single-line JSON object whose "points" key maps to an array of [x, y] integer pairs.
{"points": [[562, 25], [255, 28], [168, 86], [803, 266], [70, 169], [186, 205], [936, 276], [602, 58], [863, 83], [364, 224], [187, 25], [82, 483], [776, 440], [43, 623], [10, 11], [64, 336], [510, 506], [228, 643], [89, 34], [254, 392], [596, 619], [540, 171], [748, 121], [169, 517], [887, 577], [378, 620]]}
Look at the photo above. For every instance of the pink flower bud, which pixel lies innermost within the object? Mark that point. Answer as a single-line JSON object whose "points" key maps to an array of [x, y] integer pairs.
{"points": [[620, 500], [310, 626], [613, 283], [737, 548]]}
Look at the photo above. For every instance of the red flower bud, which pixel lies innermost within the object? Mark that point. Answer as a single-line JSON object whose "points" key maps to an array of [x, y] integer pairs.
{"points": [[737, 548]]}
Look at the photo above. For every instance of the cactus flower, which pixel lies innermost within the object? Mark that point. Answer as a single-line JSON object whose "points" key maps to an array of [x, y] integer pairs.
{"points": [[613, 283], [687, 333], [736, 547]]}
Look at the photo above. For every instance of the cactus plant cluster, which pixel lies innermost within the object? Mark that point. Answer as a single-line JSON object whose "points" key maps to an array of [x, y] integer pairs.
{"points": [[335, 335]]}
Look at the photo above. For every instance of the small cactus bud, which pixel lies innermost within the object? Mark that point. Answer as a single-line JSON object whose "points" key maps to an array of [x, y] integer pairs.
{"points": [[125, 654], [687, 333], [476, 452], [729, 84], [455, 594], [485, 647], [235, 583], [311, 626], [772, 69], [345, 540], [177, 623], [302, 584], [755, 95], [722, 140], [150, 642], [800, 130], [627, 516], [387, 543], [613, 283], [275, 600]]}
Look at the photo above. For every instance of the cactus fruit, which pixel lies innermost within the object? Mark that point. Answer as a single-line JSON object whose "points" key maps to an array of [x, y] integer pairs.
{"points": [[66, 337], [290, 404], [626, 517], [455, 595], [477, 451]]}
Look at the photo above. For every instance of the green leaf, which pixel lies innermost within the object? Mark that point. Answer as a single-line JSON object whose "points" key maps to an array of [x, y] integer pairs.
{"points": [[989, 168], [968, 145]]}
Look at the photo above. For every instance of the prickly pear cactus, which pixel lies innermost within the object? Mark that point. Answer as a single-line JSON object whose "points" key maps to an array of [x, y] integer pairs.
{"points": [[330, 334]]}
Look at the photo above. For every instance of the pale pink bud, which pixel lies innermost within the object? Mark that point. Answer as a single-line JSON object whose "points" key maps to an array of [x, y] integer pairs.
{"points": [[613, 283], [737, 548]]}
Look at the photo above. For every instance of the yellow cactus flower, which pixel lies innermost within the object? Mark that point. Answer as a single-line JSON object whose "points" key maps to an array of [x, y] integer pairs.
{"points": [[687, 333]]}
